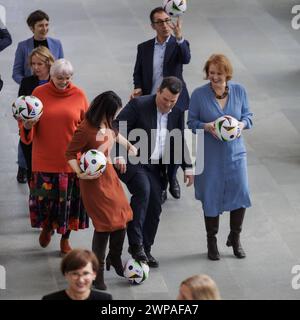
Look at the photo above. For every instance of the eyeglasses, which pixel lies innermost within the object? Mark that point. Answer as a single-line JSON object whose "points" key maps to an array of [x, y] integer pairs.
{"points": [[77, 275], [161, 22]]}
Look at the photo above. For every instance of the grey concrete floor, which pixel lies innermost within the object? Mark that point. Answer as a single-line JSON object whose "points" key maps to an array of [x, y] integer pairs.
{"points": [[100, 38]]}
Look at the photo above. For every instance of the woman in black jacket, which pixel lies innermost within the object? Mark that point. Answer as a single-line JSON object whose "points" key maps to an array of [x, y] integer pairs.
{"points": [[40, 61]]}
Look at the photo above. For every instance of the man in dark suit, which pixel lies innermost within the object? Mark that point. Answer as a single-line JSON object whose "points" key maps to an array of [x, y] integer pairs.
{"points": [[156, 119], [160, 57]]}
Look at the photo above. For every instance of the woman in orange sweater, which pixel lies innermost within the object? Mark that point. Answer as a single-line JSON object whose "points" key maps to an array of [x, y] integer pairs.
{"points": [[54, 200], [103, 196]]}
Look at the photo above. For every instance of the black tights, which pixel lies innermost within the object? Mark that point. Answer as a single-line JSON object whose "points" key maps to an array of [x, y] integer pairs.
{"points": [[66, 235], [239, 211]]}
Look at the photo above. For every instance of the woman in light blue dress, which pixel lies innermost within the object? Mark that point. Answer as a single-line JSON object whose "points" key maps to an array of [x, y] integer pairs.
{"points": [[223, 184]]}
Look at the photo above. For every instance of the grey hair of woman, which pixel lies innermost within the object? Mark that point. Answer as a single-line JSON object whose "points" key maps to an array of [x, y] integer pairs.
{"points": [[62, 67]]}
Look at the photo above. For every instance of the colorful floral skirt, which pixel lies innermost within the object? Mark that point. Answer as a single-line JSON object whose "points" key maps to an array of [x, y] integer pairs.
{"points": [[55, 201]]}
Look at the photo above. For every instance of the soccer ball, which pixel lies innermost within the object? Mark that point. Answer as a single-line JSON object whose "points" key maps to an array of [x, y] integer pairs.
{"points": [[227, 128], [174, 8], [20, 102], [93, 161], [27, 108], [136, 271]]}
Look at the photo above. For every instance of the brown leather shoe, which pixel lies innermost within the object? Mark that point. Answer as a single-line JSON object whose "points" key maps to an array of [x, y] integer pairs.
{"points": [[65, 246], [45, 237]]}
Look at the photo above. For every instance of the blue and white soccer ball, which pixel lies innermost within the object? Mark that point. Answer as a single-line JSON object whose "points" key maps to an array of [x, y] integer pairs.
{"points": [[227, 128], [174, 8], [136, 271], [93, 161]]}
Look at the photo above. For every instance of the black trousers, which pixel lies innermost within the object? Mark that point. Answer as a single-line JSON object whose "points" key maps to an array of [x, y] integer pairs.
{"points": [[27, 151], [145, 185], [168, 174]]}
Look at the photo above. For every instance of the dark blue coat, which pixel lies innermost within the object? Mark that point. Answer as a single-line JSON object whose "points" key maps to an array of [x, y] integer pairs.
{"points": [[175, 56]]}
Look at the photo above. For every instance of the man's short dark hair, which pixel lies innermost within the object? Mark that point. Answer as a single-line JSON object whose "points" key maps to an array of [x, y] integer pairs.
{"points": [[155, 10], [173, 84], [35, 17]]}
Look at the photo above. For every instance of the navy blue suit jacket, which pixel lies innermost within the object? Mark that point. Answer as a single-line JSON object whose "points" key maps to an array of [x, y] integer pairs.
{"points": [[141, 113], [176, 56]]}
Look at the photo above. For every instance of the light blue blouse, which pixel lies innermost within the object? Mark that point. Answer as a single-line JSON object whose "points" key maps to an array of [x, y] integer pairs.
{"points": [[223, 184]]}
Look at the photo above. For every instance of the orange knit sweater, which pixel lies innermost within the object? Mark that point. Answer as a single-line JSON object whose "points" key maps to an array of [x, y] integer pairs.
{"points": [[63, 111]]}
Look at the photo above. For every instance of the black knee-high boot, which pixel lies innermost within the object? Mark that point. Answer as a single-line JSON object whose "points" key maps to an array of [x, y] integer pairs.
{"points": [[116, 241], [212, 227], [100, 240], [236, 221]]}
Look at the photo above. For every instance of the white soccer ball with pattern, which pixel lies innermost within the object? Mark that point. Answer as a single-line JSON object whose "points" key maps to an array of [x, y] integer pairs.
{"points": [[92, 162], [136, 271], [19, 102], [28, 108], [227, 128], [174, 8]]}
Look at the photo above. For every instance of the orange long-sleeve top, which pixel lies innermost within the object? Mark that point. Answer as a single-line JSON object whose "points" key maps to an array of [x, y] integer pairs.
{"points": [[63, 110]]}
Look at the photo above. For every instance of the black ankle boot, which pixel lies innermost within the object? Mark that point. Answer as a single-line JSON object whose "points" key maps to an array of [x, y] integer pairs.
{"points": [[212, 227]]}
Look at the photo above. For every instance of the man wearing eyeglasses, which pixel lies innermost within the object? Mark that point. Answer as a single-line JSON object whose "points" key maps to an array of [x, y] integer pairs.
{"points": [[161, 57]]}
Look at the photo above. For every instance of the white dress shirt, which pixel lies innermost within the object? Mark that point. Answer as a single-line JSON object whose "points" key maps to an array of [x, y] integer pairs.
{"points": [[161, 133]]}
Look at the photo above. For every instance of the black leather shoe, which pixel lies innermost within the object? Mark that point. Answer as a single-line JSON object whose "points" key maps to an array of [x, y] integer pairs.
{"points": [[138, 253], [22, 175], [164, 196], [152, 262], [175, 188]]}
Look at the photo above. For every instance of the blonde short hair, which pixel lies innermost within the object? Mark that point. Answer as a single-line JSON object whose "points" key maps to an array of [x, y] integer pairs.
{"points": [[42, 53], [202, 287], [222, 62], [62, 67]]}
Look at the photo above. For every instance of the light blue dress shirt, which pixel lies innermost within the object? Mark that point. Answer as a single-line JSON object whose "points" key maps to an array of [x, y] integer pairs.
{"points": [[161, 133], [158, 62]]}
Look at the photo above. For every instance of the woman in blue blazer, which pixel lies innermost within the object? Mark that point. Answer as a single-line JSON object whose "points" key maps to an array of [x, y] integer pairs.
{"points": [[38, 22]]}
